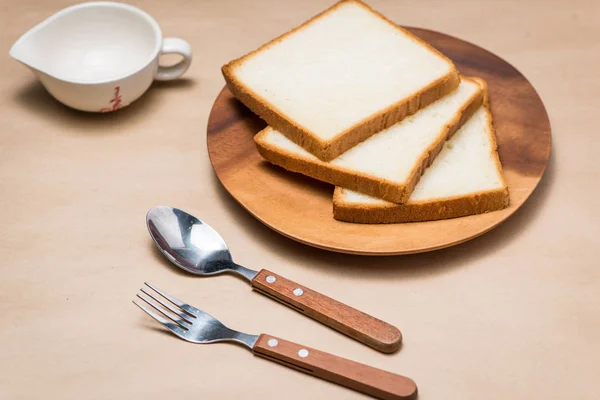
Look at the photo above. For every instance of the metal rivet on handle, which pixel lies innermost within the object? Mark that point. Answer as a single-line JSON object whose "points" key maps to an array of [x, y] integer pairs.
{"points": [[272, 342], [298, 292], [271, 279], [303, 353]]}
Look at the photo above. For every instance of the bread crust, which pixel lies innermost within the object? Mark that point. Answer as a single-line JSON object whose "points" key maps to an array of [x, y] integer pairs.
{"points": [[476, 203], [418, 211], [363, 182], [327, 150]]}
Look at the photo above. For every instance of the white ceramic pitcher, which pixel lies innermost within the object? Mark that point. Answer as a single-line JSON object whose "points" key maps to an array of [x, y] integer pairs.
{"points": [[99, 56]]}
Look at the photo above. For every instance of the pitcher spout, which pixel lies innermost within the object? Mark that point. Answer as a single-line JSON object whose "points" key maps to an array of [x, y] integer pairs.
{"points": [[20, 52], [28, 49]]}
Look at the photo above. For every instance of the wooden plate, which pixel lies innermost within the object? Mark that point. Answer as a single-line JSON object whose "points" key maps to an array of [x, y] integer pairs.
{"points": [[301, 208]]}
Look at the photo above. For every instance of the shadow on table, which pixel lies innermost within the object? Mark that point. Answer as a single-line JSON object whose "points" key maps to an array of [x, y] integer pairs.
{"points": [[374, 267], [36, 99]]}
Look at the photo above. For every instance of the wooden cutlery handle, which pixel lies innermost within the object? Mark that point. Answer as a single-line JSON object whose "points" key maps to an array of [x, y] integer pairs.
{"points": [[358, 325], [363, 378]]}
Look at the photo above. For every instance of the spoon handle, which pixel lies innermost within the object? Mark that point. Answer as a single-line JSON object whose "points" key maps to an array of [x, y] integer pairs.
{"points": [[360, 377], [345, 319]]}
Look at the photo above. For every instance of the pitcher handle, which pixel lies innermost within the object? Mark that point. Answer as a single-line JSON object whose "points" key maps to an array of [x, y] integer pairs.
{"points": [[175, 46]]}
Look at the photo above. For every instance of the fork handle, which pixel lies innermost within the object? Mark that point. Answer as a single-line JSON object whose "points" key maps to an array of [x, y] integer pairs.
{"points": [[360, 377], [345, 319]]}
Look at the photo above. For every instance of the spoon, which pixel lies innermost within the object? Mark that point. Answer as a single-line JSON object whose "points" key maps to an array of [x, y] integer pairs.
{"points": [[197, 248]]}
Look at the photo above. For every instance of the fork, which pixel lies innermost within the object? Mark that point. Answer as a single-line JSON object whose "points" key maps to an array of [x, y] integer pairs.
{"points": [[196, 326]]}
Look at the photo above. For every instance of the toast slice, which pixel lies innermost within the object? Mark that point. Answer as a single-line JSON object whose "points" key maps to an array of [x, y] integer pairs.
{"points": [[464, 179], [387, 165], [339, 78]]}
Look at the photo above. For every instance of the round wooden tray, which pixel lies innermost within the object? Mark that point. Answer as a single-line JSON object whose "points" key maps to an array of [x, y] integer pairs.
{"points": [[301, 208]]}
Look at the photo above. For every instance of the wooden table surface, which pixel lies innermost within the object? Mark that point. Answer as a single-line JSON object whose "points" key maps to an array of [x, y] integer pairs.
{"points": [[512, 314]]}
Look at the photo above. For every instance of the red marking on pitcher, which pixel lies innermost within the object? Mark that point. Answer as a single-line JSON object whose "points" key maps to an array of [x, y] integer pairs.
{"points": [[115, 101]]}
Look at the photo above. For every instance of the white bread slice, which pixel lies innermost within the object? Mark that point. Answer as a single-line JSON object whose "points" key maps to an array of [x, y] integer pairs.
{"points": [[464, 179], [339, 78], [386, 165]]}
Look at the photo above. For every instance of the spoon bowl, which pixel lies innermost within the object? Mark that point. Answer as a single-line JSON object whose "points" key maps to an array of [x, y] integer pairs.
{"points": [[191, 244]]}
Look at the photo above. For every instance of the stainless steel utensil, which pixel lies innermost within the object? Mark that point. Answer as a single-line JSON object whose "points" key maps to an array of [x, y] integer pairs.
{"points": [[196, 326], [197, 248]]}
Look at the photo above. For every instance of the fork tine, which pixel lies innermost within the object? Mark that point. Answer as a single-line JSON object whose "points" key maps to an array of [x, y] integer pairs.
{"points": [[169, 325], [177, 321], [177, 302], [184, 316]]}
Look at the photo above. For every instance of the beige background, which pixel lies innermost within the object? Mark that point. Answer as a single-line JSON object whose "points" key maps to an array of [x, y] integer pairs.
{"points": [[513, 314]]}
